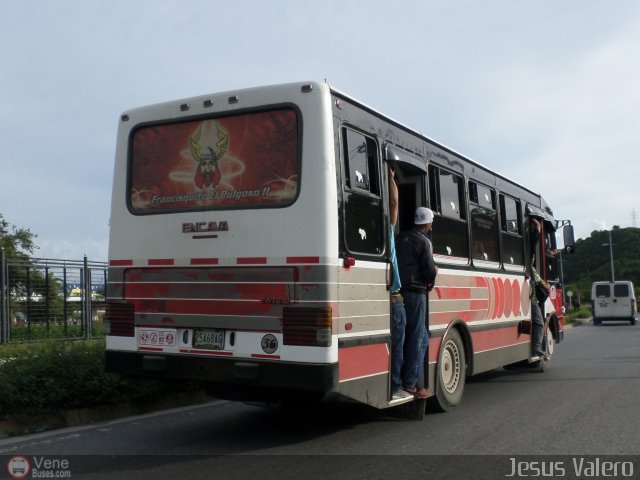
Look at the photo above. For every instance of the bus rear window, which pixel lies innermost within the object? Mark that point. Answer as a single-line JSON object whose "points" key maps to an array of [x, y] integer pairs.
{"points": [[249, 160]]}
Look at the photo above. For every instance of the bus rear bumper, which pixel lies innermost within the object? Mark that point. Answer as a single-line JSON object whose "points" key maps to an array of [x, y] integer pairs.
{"points": [[237, 374]]}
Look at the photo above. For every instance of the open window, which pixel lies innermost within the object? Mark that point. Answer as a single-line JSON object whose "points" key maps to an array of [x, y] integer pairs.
{"points": [[511, 233], [410, 176], [447, 198], [483, 215], [363, 209]]}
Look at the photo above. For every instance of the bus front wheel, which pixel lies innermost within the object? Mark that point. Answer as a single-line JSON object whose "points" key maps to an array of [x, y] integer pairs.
{"points": [[544, 363], [450, 372]]}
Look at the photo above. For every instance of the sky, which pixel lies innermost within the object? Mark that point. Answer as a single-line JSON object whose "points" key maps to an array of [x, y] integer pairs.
{"points": [[544, 92]]}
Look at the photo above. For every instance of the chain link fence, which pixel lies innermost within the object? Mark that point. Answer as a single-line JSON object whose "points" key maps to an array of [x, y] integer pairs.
{"points": [[48, 298]]}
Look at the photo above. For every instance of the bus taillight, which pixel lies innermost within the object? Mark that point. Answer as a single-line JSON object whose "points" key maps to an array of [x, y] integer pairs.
{"points": [[307, 326], [119, 319]]}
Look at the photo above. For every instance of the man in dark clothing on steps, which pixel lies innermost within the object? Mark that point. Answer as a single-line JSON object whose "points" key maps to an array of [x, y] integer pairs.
{"points": [[417, 275]]}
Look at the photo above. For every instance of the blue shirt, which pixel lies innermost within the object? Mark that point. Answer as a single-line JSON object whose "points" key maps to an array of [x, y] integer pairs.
{"points": [[395, 281]]}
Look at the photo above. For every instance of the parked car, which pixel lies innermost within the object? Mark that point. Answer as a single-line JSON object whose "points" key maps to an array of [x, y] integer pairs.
{"points": [[613, 301]]}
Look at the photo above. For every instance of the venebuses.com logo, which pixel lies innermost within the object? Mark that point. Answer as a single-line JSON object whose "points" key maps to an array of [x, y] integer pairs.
{"points": [[18, 467], [38, 467]]}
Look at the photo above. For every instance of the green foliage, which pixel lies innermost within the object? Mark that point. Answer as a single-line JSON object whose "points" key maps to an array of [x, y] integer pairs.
{"points": [[592, 262], [583, 312], [56, 376], [17, 242], [23, 332]]}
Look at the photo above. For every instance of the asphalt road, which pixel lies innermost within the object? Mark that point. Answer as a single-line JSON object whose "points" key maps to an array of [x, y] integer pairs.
{"points": [[585, 404]]}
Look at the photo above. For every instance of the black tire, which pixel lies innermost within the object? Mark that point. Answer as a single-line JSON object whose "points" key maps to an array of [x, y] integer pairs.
{"points": [[633, 321], [596, 321], [450, 373]]}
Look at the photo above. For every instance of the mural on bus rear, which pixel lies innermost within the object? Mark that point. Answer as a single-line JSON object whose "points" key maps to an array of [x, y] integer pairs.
{"points": [[245, 160]]}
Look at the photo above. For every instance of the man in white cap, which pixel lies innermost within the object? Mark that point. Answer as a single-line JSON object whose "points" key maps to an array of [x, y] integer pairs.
{"points": [[417, 275]]}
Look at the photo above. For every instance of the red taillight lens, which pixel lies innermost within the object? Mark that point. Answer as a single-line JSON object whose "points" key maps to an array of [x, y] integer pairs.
{"points": [[119, 318], [307, 326]]}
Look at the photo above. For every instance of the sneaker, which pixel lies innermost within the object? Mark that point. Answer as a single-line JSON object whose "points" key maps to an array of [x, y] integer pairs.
{"points": [[400, 395], [416, 391]]}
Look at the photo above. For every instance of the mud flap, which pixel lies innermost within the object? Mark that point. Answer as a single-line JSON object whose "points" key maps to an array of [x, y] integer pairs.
{"points": [[414, 410], [556, 329]]}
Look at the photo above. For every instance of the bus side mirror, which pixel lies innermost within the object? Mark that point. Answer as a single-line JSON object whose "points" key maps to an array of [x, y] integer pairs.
{"points": [[569, 242]]}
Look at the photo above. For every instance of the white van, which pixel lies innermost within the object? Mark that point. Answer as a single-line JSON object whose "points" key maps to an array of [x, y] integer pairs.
{"points": [[613, 301]]}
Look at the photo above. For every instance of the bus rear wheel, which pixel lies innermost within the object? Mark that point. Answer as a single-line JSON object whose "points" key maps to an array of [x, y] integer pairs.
{"points": [[450, 373]]}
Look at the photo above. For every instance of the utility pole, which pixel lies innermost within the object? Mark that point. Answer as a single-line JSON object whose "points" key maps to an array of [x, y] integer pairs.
{"points": [[613, 278]]}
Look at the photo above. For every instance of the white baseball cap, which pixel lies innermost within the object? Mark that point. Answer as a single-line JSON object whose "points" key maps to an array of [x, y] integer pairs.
{"points": [[423, 216]]}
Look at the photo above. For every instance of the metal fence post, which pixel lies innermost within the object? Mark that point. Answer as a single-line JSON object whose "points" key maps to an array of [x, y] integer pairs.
{"points": [[5, 322], [87, 299]]}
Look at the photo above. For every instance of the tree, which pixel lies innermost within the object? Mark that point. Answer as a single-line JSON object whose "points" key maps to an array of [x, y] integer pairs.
{"points": [[17, 243], [592, 262]]}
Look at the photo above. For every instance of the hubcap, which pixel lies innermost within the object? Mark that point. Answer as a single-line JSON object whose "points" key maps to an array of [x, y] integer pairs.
{"points": [[549, 344], [450, 367]]}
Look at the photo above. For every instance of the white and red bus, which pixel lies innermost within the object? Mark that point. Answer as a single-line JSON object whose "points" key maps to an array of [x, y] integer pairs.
{"points": [[249, 248]]}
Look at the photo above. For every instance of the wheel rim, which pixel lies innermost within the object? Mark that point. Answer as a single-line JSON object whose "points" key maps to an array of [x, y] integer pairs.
{"points": [[550, 344], [450, 367]]}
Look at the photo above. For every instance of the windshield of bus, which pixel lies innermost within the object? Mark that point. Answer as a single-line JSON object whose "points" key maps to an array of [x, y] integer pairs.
{"points": [[249, 160]]}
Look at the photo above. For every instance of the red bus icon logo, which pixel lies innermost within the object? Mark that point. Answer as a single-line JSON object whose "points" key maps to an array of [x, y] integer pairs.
{"points": [[18, 467]]}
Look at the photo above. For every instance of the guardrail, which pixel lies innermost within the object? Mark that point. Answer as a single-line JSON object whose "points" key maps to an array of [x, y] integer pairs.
{"points": [[50, 298]]}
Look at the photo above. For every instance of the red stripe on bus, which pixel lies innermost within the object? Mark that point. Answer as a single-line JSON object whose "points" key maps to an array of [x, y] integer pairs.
{"points": [[303, 259], [151, 349], [362, 361], [204, 261], [120, 263], [453, 293], [206, 307], [450, 280], [262, 355], [205, 352], [251, 260], [160, 261], [444, 318], [480, 305], [159, 327], [498, 338], [266, 294]]}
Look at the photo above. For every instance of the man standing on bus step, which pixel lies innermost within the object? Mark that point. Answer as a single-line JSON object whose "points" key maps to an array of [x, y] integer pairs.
{"points": [[538, 291], [398, 316], [538, 294], [418, 274]]}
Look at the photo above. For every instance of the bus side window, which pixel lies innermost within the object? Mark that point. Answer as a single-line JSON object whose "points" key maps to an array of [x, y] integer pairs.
{"points": [[447, 196], [363, 208], [484, 223], [511, 226], [550, 251]]}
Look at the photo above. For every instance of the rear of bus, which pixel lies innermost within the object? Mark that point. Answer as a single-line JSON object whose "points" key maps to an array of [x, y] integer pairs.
{"points": [[224, 245]]}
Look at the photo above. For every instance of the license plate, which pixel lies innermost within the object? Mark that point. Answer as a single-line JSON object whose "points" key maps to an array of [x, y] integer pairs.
{"points": [[208, 338], [155, 337]]}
